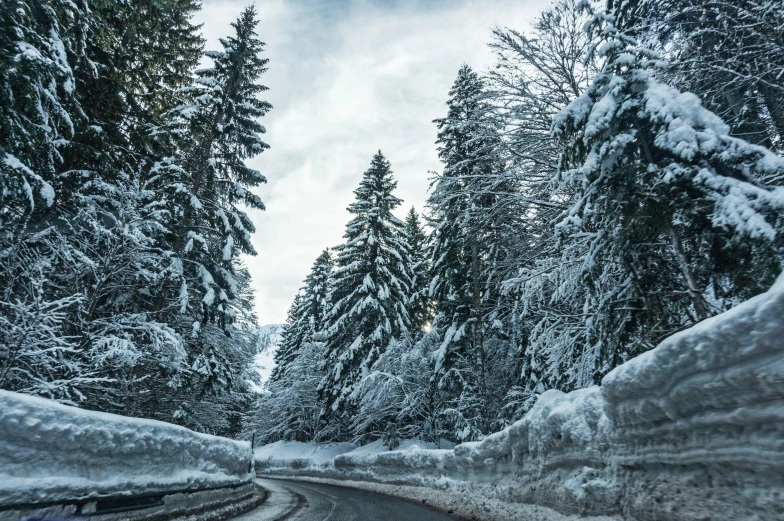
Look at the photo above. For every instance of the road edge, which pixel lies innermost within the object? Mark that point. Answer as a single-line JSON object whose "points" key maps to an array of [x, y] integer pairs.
{"points": [[456, 501]]}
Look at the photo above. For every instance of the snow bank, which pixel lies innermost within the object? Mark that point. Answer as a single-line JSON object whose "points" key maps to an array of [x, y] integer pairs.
{"points": [[692, 430], [283, 455], [298, 454], [51, 452]]}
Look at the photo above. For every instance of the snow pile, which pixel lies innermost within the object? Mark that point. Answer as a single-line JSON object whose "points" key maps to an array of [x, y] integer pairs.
{"points": [[52, 452], [282, 456], [296, 454], [687, 430]]}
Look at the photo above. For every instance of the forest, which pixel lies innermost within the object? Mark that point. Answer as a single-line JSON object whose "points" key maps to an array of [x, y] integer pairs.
{"points": [[616, 177]]}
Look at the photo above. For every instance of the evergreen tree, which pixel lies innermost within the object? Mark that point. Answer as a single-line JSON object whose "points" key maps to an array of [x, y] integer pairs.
{"points": [[95, 190], [371, 287], [94, 244], [211, 185], [318, 289], [291, 339], [672, 221], [459, 248], [419, 303], [305, 321], [731, 53], [223, 131]]}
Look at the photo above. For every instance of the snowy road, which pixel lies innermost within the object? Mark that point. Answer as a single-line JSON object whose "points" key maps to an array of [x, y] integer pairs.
{"points": [[301, 501]]}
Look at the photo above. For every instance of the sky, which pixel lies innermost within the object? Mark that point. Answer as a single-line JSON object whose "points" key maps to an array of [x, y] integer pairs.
{"points": [[347, 78]]}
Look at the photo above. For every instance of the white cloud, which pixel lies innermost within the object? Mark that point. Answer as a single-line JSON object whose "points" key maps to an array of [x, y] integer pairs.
{"points": [[346, 79]]}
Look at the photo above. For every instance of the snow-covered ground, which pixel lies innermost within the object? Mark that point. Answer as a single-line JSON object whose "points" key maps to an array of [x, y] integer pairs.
{"points": [[52, 452], [692, 430], [266, 347]]}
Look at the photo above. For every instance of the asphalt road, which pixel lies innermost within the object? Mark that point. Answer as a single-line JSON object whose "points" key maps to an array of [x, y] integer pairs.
{"points": [[302, 501]]}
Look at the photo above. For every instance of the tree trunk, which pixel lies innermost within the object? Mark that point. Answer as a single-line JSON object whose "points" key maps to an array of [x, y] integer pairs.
{"points": [[478, 335], [774, 102], [691, 282]]}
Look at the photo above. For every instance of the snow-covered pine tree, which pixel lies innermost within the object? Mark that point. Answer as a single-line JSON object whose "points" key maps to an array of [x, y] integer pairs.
{"points": [[88, 244], [39, 108], [117, 212], [731, 53], [371, 287], [38, 114], [673, 220], [223, 131], [292, 338], [459, 205], [89, 236], [305, 321], [210, 186], [419, 308], [317, 295]]}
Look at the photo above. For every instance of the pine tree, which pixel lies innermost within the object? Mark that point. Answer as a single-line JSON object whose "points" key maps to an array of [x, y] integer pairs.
{"points": [[92, 240], [39, 108], [305, 321], [419, 303], [728, 52], [317, 296], [211, 185], [458, 254], [93, 184], [672, 222], [223, 132], [371, 287], [292, 338]]}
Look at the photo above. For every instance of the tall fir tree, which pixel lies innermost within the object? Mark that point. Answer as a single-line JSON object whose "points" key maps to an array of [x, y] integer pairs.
{"points": [[212, 186], [306, 316], [672, 221], [419, 308], [371, 287], [292, 338], [318, 294], [94, 174], [459, 204]]}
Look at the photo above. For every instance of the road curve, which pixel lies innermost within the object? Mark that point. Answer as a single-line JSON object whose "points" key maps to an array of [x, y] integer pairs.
{"points": [[303, 501]]}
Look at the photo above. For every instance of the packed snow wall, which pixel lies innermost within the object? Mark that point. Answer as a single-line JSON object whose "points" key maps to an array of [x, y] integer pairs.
{"points": [[692, 430], [54, 455]]}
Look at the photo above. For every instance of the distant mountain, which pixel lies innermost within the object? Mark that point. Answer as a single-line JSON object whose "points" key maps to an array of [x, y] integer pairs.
{"points": [[269, 337], [266, 347]]}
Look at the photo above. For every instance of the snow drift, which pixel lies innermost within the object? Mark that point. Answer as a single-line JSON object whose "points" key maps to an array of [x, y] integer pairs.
{"points": [[51, 452], [692, 430]]}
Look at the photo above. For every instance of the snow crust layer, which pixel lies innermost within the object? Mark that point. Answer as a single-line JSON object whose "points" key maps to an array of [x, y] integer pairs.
{"points": [[692, 430], [51, 452]]}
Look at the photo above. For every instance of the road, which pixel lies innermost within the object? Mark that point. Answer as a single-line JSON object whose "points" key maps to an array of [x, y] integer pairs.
{"points": [[302, 501]]}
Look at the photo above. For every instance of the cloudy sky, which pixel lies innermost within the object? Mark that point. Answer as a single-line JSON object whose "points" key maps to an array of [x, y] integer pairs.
{"points": [[347, 78]]}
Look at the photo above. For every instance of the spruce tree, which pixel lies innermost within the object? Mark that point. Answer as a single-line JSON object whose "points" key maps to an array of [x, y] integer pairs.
{"points": [[211, 186], [318, 289], [371, 287], [305, 321], [672, 221], [460, 204], [419, 308], [291, 339]]}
